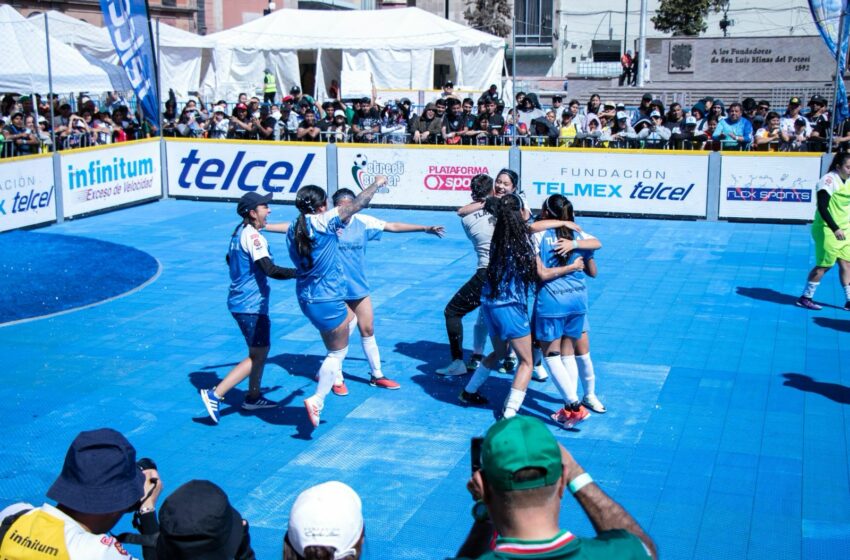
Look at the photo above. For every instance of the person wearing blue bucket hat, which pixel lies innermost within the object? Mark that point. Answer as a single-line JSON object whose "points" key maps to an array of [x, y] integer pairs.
{"points": [[100, 481]]}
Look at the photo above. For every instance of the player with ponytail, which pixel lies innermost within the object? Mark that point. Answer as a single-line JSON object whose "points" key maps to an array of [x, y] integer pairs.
{"points": [[314, 249], [564, 258]]}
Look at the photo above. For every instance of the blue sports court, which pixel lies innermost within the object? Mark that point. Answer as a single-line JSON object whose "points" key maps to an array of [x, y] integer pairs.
{"points": [[728, 428]]}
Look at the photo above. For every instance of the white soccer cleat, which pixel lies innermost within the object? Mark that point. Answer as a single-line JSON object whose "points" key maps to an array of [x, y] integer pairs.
{"points": [[457, 367]]}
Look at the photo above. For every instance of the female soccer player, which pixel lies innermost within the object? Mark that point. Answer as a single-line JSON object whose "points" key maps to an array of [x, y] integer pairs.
{"points": [[511, 273], [359, 229], [507, 182], [560, 306], [830, 230], [251, 265], [320, 281]]}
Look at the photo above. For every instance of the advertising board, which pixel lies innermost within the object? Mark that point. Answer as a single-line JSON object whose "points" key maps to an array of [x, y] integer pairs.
{"points": [[27, 192], [99, 178], [777, 187], [417, 176], [646, 182], [230, 168]]}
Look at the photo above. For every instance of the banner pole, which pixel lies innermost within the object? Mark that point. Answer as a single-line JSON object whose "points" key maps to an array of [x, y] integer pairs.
{"points": [[839, 71], [49, 83], [158, 82]]}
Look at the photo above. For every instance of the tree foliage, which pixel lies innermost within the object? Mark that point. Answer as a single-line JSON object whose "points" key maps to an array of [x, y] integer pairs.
{"points": [[490, 16], [685, 17]]}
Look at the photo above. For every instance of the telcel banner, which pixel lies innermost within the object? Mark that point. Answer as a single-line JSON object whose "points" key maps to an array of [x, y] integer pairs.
{"points": [[437, 177], [779, 187], [98, 178], [229, 169], [672, 184], [27, 192]]}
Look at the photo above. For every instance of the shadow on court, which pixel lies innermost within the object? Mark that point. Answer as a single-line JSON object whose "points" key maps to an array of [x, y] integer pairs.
{"points": [[281, 415], [832, 391], [772, 296], [836, 324], [433, 355]]}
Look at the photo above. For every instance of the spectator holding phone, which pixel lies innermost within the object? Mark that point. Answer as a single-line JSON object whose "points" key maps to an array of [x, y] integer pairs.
{"points": [[518, 491]]}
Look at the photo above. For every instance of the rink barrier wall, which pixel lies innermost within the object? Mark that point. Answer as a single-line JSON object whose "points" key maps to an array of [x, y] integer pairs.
{"points": [[41, 189]]}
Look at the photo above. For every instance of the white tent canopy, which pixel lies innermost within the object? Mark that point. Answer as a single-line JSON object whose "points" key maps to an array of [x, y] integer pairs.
{"points": [[396, 46], [182, 57], [24, 54]]}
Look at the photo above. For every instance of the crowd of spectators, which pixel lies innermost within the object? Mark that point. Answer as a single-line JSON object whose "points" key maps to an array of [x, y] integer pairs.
{"points": [[451, 119], [520, 474], [26, 126], [708, 124]]}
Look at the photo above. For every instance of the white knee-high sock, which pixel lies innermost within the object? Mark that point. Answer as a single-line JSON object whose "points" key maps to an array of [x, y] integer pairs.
{"points": [[479, 335], [514, 402], [478, 378], [373, 355], [352, 327], [327, 373], [586, 373], [847, 292], [559, 375], [571, 385]]}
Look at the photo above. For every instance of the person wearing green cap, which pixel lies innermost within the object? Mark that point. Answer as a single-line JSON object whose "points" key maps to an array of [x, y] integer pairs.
{"points": [[518, 491]]}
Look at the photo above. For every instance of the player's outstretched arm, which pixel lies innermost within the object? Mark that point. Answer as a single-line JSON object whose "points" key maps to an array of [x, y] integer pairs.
{"points": [[281, 227], [362, 200], [401, 227]]}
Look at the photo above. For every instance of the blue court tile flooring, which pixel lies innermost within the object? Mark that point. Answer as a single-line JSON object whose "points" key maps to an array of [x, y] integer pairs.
{"points": [[727, 430]]}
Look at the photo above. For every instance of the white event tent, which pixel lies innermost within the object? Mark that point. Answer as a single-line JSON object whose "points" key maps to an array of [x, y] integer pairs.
{"points": [[24, 54], [399, 47], [183, 56]]}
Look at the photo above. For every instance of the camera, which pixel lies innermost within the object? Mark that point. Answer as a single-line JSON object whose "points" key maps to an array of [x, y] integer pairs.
{"points": [[145, 464]]}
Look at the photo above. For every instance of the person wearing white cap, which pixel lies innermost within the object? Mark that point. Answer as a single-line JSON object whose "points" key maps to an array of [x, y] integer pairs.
{"points": [[655, 135], [338, 130], [326, 521]]}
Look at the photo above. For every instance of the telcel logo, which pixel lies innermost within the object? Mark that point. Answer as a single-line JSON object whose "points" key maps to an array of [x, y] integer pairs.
{"points": [[213, 173], [660, 192], [604, 190], [31, 202]]}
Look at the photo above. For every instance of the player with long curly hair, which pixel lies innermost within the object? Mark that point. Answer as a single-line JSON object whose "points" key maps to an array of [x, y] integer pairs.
{"points": [[511, 274]]}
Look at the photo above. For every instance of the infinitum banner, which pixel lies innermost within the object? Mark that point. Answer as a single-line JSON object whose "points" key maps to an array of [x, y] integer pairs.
{"points": [[98, 178]]}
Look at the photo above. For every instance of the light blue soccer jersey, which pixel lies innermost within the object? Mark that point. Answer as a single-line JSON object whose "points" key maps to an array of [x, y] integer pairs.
{"points": [[567, 294], [324, 280], [359, 230], [510, 293], [249, 285]]}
